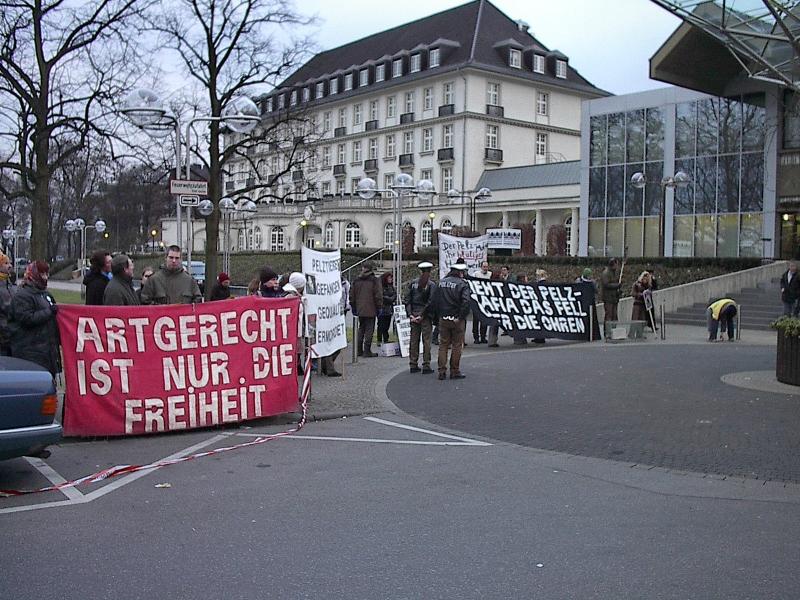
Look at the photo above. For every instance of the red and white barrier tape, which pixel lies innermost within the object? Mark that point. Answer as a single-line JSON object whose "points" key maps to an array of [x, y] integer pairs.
{"points": [[118, 470]]}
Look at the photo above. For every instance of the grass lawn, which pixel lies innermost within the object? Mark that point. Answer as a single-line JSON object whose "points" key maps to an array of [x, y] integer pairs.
{"points": [[66, 296]]}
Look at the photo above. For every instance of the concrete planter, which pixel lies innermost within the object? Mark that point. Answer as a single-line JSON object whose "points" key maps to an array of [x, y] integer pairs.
{"points": [[787, 364]]}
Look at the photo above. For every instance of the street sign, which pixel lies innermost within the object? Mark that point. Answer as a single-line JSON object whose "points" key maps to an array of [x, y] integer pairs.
{"points": [[185, 200], [184, 186]]}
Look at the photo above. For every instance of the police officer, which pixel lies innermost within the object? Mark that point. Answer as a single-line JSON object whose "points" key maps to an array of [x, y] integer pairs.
{"points": [[417, 299], [451, 304]]}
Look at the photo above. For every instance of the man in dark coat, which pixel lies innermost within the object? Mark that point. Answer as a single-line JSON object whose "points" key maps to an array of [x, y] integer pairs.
{"points": [[32, 320], [97, 278], [417, 300], [366, 297], [120, 292], [790, 291], [609, 288], [7, 290], [451, 304]]}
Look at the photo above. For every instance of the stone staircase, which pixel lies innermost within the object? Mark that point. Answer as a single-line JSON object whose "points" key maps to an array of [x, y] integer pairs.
{"points": [[759, 307]]}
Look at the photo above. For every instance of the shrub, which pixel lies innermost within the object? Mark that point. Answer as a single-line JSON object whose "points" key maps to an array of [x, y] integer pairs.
{"points": [[790, 326]]}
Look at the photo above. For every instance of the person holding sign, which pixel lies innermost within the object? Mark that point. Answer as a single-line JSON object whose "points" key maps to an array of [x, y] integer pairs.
{"points": [[451, 304], [417, 299], [609, 286], [640, 286]]}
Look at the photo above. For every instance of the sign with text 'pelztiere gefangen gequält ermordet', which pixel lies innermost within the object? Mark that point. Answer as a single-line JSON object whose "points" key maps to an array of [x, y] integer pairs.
{"points": [[539, 311]]}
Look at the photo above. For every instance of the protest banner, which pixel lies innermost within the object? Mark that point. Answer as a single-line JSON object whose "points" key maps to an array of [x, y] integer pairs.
{"points": [[151, 369], [472, 250], [504, 238], [539, 311], [403, 325], [323, 296]]}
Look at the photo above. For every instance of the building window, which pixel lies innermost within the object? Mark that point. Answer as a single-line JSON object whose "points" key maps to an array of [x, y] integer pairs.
{"points": [[326, 157], [363, 77], [426, 234], [357, 114], [433, 58], [306, 94], [388, 180], [447, 179], [341, 154], [256, 241], [389, 146], [427, 140], [542, 101], [416, 62], [240, 240], [538, 63], [397, 67], [354, 185], [373, 110], [329, 235], [326, 121], [352, 235], [312, 160], [276, 239], [447, 93], [447, 136], [348, 82], [408, 142], [333, 87], [357, 151], [270, 104], [373, 148], [380, 73], [409, 102], [391, 107], [320, 89], [426, 174], [326, 188], [428, 99], [340, 187], [493, 93], [568, 227], [515, 58], [561, 69], [388, 236], [342, 117], [281, 101], [446, 226], [492, 136], [541, 146]]}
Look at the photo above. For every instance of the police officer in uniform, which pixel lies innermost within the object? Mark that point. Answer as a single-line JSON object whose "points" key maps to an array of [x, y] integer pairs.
{"points": [[451, 304], [417, 299]]}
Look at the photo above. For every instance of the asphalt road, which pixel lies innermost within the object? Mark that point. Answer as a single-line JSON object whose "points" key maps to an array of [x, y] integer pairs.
{"points": [[660, 405]]}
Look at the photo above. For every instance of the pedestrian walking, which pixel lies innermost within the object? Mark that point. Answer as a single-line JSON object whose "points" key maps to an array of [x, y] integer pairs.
{"points": [[719, 316], [221, 290], [479, 328], [119, 291], [790, 291], [32, 320], [97, 278], [417, 299], [7, 290], [366, 298], [609, 287], [451, 303], [389, 294], [171, 284]]}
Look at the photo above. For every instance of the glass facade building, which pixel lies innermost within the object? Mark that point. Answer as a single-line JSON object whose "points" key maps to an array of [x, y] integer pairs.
{"points": [[718, 142]]}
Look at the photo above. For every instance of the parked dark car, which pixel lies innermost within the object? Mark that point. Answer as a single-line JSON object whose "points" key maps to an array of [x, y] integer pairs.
{"points": [[28, 405]]}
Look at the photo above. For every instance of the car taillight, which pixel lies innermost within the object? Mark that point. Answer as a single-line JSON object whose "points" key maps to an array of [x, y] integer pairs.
{"points": [[49, 405]]}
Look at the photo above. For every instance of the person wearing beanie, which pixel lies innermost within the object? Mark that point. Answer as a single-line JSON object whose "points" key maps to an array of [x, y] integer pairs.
{"points": [[222, 287], [7, 290], [366, 299], [119, 291], [268, 283], [32, 320], [297, 281]]}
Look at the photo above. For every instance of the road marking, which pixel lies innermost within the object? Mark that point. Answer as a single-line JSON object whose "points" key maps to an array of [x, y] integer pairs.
{"points": [[372, 440], [53, 477], [428, 431]]}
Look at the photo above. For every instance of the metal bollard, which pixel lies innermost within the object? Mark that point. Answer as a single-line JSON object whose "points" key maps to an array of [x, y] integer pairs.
{"points": [[355, 339], [663, 333], [738, 322]]}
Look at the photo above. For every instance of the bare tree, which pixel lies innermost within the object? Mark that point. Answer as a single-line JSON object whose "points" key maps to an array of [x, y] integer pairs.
{"points": [[233, 48], [62, 65]]}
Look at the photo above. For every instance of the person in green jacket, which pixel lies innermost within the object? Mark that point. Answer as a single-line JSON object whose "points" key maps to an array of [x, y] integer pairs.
{"points": [[171, 284], [119, 291]]}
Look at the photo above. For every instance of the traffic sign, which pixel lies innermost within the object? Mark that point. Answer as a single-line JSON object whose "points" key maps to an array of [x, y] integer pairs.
{"points": [[184, 186], [189, 200]]}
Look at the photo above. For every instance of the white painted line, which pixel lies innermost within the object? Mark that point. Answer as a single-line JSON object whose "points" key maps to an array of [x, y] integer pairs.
{"points": [[53, 477], [428, 431], [372, 440]]}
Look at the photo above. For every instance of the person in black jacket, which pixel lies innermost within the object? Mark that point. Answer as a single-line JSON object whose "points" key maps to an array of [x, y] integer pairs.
{"points": [[790, 291], [417, 299], [222, 287], [119, 291], [32, 320], [451, 304], [386, 312], [97, 278]]}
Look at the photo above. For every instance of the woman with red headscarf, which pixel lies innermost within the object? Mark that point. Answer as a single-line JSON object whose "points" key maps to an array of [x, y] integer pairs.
{"points": [[32, 320]]}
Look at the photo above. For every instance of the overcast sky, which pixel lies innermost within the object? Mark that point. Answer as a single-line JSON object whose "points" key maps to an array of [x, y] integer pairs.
{"points": [[609, 42]]}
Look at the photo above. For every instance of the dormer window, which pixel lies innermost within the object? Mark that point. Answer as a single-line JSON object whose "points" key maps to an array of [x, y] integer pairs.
{"points": [[416, 62], [348, 82], [433, 58], [270, 104], [333, 88], [363, 77], [293, 98], [397, 67], [320, 89], [306, 94], [561, 69], [538, 63], [280, 101], [514, 58], [380, 73]]}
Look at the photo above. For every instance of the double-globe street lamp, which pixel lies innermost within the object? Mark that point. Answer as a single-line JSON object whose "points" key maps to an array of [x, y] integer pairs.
{"points": [[403, 186], [482, 194], [80, 225], [678, 181]]}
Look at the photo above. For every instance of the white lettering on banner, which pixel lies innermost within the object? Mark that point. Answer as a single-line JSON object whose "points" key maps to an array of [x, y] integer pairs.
{"points": [[200, 369], [138, 324], [166, 341], [115, 330], [280, 362]]}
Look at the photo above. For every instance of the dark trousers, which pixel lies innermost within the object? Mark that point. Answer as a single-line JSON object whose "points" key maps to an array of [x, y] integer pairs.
{"points": [[478, 329], [610, 312], [328, 363], [366, 327], [451, 337], [421, 330], [384, 322]]}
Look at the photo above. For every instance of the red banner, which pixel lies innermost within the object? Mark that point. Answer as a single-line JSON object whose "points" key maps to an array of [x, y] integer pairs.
{"points": [[148, 369]]}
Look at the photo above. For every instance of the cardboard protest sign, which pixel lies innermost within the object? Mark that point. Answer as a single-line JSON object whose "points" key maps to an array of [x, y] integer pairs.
{"points": [[403, 325], [540, 311], [323, 295], [472, 250], [151, 369]]}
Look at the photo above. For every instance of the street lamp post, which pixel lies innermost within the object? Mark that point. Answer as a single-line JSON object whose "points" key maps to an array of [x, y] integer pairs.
{"points": [[482, 194], [153, 234], [304, 225], [226, 208], [677, 181], [80, 225], [403, 186]]}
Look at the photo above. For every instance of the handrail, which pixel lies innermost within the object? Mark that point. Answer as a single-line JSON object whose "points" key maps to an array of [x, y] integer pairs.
{"points": [[363, 260]]}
